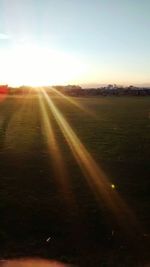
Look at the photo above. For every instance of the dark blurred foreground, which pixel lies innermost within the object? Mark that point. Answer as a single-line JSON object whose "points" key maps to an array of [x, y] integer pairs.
{"points": [[35, 219]]}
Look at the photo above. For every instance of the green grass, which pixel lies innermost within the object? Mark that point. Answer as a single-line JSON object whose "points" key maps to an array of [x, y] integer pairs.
{"points": [[31, 208]]}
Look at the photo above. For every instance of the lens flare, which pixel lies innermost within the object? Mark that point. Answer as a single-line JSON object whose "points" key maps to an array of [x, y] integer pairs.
{"points": [[95, 177], [73, 102], [60, 170]]}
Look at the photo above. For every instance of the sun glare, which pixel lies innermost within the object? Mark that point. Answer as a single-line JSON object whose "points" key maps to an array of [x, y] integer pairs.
{"points": [[38, 66]]}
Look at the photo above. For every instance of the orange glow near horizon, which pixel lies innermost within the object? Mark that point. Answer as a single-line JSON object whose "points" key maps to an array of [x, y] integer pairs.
{"points": [[32, 263], [3, 92]]}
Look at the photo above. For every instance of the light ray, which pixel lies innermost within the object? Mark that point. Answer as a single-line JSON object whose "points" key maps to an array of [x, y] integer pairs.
{"points": [[73, 102], [61, 173], [96, 178]]}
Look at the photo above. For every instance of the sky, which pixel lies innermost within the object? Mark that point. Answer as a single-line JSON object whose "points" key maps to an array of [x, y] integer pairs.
{"points": [[88, 42]]}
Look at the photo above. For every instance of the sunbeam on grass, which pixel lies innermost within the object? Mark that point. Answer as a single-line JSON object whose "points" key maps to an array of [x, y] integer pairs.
{"points": [[95, 177], [59, 168], [73, 102]]}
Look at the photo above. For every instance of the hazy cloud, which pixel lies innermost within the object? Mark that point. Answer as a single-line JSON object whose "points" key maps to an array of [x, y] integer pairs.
{"points": [[4, 36]]}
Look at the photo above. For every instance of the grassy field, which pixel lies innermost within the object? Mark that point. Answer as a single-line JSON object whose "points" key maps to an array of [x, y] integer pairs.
{"points": [[36, 219]]}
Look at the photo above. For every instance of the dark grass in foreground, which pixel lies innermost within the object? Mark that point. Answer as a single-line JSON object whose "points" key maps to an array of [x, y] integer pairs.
{"points": [[34, 218]]}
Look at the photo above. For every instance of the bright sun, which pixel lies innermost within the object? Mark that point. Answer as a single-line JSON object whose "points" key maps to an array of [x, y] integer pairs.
{"points": [[37, 66]]}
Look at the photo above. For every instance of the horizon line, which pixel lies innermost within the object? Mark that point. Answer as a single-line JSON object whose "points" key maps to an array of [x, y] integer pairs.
{"points": [[82, 85]]}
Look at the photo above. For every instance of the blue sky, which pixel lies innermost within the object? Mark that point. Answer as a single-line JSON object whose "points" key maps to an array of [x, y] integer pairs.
{"points": [[109, 37]]}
